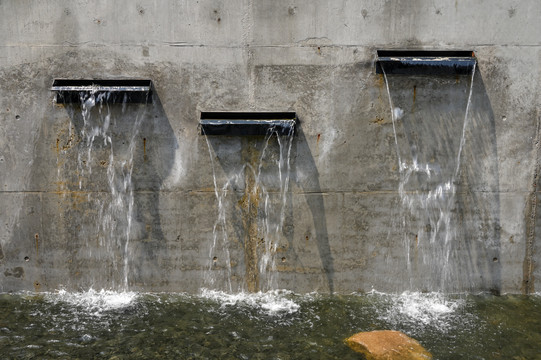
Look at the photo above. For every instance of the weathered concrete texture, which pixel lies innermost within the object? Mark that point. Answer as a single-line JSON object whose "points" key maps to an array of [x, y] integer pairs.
{"points": [[531, 271], [343, 216]]}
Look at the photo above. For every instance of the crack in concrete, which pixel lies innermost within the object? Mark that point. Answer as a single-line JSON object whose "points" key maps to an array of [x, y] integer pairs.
{"points": [[528, 280]]}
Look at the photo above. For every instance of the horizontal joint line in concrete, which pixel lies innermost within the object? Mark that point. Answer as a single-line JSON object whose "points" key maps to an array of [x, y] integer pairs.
{"points": [[241, 46], [165, 191]]}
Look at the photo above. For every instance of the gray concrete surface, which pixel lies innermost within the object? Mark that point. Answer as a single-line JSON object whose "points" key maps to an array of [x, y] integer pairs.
{"points": [[342, 230]]}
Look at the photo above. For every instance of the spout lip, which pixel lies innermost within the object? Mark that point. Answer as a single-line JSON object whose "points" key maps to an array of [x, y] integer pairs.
{"points": [[101, 85], [247, 123], [119, 90], [425, 62]]}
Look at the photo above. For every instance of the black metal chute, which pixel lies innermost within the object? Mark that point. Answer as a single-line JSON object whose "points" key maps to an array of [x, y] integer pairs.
{"points": [[247, 123], [109, 90], [425, 62]]}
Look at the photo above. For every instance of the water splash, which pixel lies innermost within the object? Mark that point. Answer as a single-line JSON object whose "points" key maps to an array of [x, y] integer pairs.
{"points": [[93, 302], [273, 303], [424, 308], [415, 311]]}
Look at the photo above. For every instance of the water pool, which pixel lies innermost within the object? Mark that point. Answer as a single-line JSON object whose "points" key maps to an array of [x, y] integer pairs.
{"points": [[274, 325]]}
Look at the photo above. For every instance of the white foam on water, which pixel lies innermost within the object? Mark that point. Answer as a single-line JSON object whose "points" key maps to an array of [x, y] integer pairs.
{"points": [[272, 302], [92, 301], [426, 308], [421, 310]]}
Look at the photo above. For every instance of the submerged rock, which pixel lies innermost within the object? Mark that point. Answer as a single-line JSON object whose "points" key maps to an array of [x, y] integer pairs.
{"points": [[387, 345]]}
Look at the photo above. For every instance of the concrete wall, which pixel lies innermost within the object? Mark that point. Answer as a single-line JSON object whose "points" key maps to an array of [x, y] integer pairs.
{"points": [[342, 229]]}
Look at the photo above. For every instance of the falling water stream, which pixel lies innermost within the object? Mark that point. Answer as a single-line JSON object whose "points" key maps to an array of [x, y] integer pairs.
{"points": [[429, 136], [266, 203], [274, 215], [106, 148]]}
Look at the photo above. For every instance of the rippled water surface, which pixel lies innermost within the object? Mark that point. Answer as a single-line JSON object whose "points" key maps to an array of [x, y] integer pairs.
{"points": [[275, 325]]}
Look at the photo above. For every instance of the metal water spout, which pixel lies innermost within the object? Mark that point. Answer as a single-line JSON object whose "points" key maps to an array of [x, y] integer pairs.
{"points": [[425, 62], [115, 90], [247, 123]]}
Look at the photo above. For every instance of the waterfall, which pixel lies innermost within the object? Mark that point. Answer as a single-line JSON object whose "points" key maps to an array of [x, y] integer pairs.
{"points": [[219, 232], [429, 128], [264, 175], [274, 214], [106, 143]]}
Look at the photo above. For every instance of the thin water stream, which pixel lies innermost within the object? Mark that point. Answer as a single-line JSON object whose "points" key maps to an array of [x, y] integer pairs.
{"points": [[430, 118], [264, 175], [105, 142], [273, 325]]}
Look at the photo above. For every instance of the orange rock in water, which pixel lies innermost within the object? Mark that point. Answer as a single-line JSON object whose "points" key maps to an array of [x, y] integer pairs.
{"points": [[387, 345]]}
